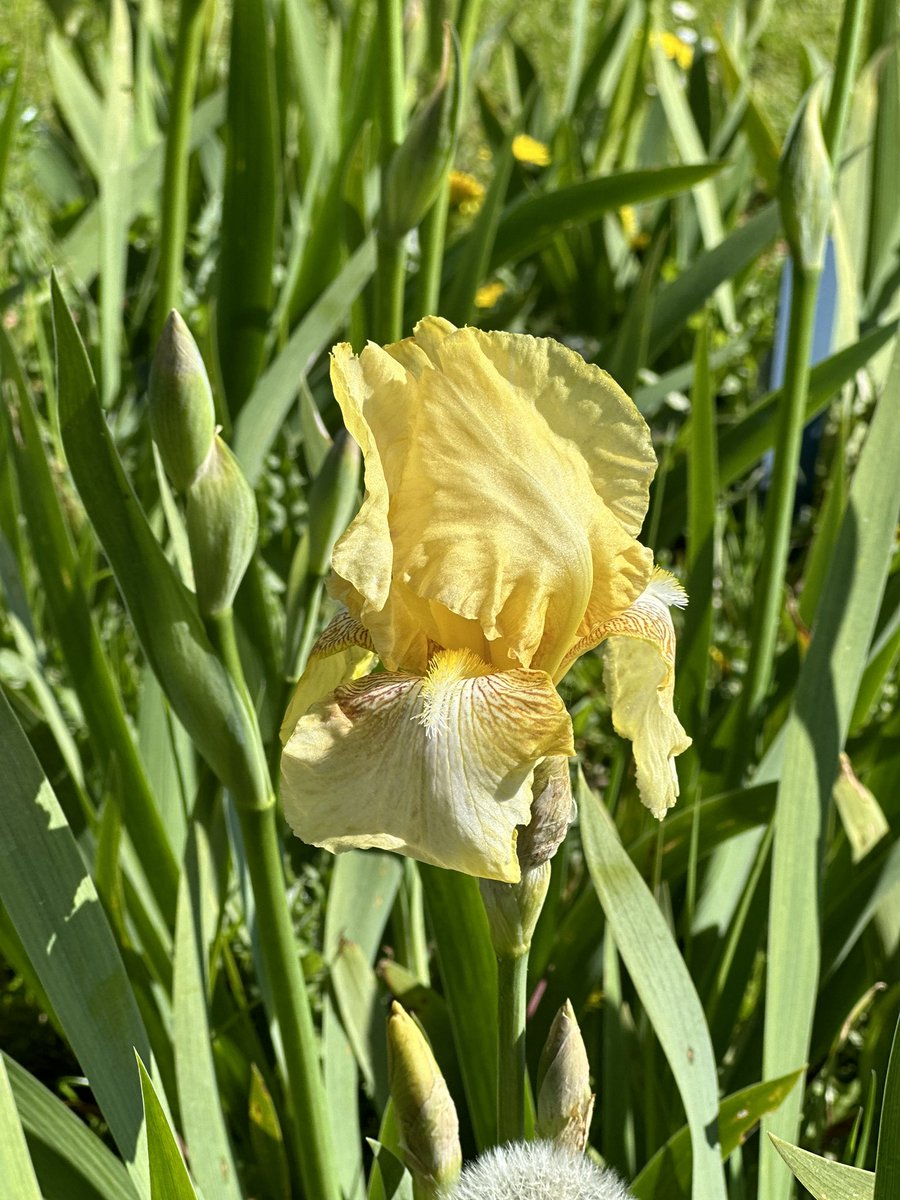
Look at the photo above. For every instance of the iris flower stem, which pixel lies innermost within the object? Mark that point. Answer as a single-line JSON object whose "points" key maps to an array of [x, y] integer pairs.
{"points": [[305, 1099], [512, 979], [432, 233], [779, 513], [390, 280], [173, 224]]}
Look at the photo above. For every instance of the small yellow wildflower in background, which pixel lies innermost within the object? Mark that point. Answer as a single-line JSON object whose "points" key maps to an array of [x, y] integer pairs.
{"points": [[673, 48], [489, 293], [506, 483], [466, 193], [529, 150]]}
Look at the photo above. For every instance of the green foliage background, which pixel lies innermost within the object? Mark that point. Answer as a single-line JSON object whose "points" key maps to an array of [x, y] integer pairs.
{"points": [[136, 834]]}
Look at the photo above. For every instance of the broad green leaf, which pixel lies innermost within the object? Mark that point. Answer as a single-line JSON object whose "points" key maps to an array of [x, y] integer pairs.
{"points": [[71, 1162], [389, 1179], [163, 612], [668, 1173], [678, 300], [468, 970], [823, 1178], [363, 886], [205, 1128], [662, 982], [816, 729], [89, 668], [887, 1163], [266, 408], [531, 221], [56, 911], [356, 992], [16, 1170], [79, 103], [743, 444], [691, 148], [169, 1179], [78, 252]]}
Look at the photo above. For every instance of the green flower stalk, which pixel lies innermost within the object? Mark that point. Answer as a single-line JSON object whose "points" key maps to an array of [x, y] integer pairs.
{"points": [[426, 1114], [565, 1100]]}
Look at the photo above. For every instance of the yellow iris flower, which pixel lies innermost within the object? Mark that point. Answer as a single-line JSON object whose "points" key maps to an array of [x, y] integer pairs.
{"points": [[506, 482]]}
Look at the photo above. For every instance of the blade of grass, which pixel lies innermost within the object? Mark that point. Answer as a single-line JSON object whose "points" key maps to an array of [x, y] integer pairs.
{"points": [[824, 1178], [16, 1169], [817, 726], [8, 127], [532, 221], [199, 1096], [469, 976], [691, 148], [169, 1179], [56, 911], [662, 982], [743, 444], [79, 103], [887, 1163], [739, 1113], [86, 659], [70, 1161]]}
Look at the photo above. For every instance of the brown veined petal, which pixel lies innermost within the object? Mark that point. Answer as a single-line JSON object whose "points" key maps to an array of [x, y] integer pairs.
{"points": [[639, 673], [516, 474], [343, 651], [438, 767]]}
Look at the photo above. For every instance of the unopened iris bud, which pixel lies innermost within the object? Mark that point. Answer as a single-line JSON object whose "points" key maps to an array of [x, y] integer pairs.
{"points": [[805, 184], [182, 412], [565, 1099], [420, 163], [426, 1114], [222, 526], [332, 501]]}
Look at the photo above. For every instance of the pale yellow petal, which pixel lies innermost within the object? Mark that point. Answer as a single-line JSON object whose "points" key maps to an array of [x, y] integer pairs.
{"points": [[342, 652], [505, 481], [639, 674], [437, 767]]}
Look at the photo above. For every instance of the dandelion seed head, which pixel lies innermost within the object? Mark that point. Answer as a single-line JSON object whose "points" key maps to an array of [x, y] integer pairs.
{"points": [[536, 1171]]}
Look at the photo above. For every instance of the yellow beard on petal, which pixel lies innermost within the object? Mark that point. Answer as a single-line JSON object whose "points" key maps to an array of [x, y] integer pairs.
{"points": [[446, 669]]}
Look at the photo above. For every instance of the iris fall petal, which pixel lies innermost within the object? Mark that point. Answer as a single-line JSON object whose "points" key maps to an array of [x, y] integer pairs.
{"points": [[437, 767]]}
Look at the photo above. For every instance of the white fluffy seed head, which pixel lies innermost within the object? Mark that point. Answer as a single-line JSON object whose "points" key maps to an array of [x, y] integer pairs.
{"points": [[536, 1171]]}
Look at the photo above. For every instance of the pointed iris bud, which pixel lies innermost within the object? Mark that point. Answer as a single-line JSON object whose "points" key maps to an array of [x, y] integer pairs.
{"points": [[805, 184], [222, 526], [420, 163], [426, 1114], [565, 1100], [182, 412], [332, 501]]}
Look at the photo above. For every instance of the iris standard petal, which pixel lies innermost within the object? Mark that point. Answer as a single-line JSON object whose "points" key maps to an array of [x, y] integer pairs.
{"points": [[437, 767], [517, 476], [639, 673]]}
